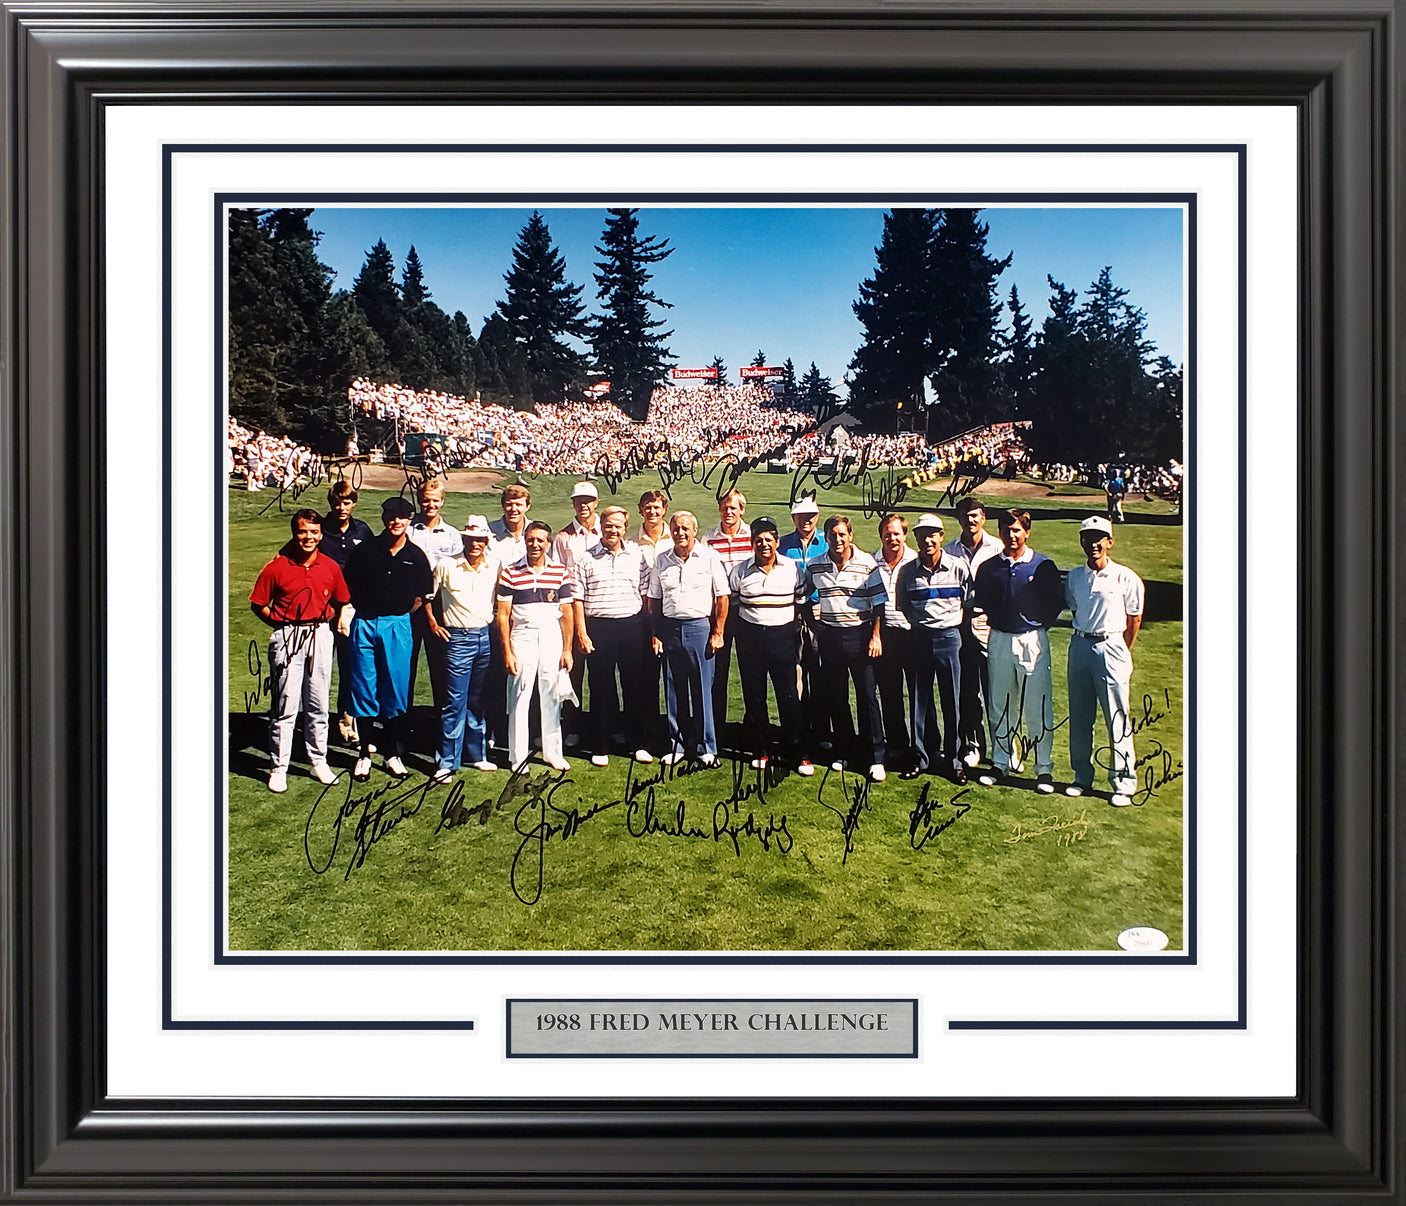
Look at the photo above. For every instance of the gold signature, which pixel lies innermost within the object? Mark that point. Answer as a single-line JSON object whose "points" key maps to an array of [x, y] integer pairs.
{"points": [[1067, 831]]}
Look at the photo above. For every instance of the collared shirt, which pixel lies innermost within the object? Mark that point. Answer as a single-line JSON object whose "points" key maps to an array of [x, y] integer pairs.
{"points": [[299, 594], [536, 594], [1021, 595], [790, 546], [687, 587], [933, 598], [383, 583], [986, 548], [732, 550], [507, 548], [768, 597], [1102, 600], [611, 586], [441, 541], [338, 545], [573, 540], [465, 594], [888, 579], [847, 594], [650, 548]]}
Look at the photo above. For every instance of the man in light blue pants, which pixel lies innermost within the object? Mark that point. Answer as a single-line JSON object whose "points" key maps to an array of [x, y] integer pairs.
{"points": [[1107, 600]]}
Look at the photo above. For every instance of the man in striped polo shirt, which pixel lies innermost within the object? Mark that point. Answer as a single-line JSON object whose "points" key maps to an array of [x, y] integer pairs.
{"points": [[850, 598], [932, 592], [802, 545], [688, 602], [440, 541], [1021, 593], [768, 589], [609, 583], [534, 626], [731, 540], [573, 540]]}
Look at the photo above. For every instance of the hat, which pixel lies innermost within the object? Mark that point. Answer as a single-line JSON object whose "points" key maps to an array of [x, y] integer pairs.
{"points": [[928, 520], [477, 526], [397, 508], [805, 506], [764, 524], [1096, 523], [584, 490]]}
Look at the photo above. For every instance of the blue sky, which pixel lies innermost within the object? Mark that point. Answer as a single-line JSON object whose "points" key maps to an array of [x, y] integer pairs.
{"points": [[777, 279]]}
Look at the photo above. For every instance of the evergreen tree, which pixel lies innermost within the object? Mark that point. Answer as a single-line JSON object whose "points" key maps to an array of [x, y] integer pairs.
{"points": [[376, 293], [505, 377], [790, 390], [966, 326], [759, 360], [1018, 348], [896, 309], [817, 391], [412, 281], [541, 308], [628, 346], [721, 379]]}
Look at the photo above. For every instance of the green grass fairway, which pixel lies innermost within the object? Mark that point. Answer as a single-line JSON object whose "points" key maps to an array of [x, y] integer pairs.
{"points": [[785, 864]]}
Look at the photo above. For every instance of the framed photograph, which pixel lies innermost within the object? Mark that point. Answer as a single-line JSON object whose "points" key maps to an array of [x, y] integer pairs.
{"points": [[263, 266]]}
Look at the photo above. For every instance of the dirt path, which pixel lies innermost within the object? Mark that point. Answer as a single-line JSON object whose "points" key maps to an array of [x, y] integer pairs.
{"points": [[1005, 489], [459, 481]]}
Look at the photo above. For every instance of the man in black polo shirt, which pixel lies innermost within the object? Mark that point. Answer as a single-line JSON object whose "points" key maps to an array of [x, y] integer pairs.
{"points": [[342, 532], [389, 579]]}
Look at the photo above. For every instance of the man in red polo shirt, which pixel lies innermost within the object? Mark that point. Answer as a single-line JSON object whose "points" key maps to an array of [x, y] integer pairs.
{"points": [[297, 594]]}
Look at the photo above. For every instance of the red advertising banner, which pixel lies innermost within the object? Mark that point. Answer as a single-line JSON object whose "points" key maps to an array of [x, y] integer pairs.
{"points": [[759, 371], [696, 374]]}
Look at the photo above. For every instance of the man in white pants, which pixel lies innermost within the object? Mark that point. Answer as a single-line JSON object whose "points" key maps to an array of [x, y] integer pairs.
{"points": [[1021, 594], [1106, 599], [534, 627], [297, 594]]}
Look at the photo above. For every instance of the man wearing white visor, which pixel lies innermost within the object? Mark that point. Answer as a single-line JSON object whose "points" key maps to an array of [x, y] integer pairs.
{"points": [[1106, 599]]}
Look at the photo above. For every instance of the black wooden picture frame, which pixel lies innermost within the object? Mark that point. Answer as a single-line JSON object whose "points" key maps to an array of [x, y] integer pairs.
{"points": [[62, 1138]]}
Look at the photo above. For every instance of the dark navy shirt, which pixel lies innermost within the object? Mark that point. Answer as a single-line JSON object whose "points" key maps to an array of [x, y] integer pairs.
{"points": [[338, 545], [1019, 596], [386, 584]]}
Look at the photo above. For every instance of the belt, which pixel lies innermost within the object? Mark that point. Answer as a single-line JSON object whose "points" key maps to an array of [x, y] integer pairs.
{"points": [[301, 623], [1095, 636]]}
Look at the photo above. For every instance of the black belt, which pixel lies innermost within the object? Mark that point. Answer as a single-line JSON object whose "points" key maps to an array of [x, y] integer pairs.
{"points": [[1095, 636]]}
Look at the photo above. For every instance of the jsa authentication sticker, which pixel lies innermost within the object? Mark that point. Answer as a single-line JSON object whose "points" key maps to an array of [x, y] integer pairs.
{"points": [[882, 1029]]}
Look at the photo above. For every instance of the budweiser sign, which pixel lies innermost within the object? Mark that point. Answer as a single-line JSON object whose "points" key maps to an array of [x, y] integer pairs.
{"points": [[696, 374], [759, 371]]}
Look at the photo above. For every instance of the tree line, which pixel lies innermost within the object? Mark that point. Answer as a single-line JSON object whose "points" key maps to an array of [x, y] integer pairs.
{"points": [[935, 347]]}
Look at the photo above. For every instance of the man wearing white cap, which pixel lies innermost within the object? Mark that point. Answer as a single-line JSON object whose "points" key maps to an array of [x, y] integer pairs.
{"points": [[1106, 599], [802, 545], [459, 618], [573, 540], [974, 545], [933, 590]]}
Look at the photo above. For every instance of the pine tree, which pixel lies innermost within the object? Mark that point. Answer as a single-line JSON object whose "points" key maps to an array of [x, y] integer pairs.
{"points": [[966, 326], [412, 281], [759, 360], [376, 293], [505, 378], [790, 390], [541, 308], [628, 346], [896, 309], [721, 379], [1018, 348], [817, 391]]}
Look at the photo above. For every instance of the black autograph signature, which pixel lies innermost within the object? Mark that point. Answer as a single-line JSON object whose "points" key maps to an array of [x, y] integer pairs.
{"points": [[856, 793], [921, 826], [378, 813]]}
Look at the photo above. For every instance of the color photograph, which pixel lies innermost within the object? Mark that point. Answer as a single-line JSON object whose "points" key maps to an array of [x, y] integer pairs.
{"points": [[751, 578]]}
